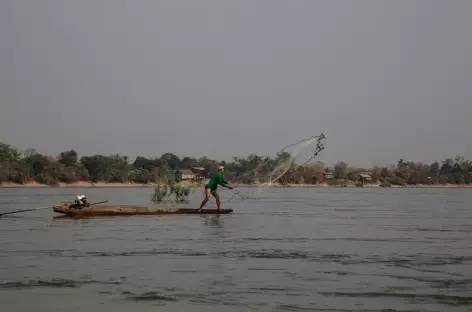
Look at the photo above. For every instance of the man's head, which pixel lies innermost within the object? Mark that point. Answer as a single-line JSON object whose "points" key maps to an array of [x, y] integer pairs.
{"points": [[221, 169]]}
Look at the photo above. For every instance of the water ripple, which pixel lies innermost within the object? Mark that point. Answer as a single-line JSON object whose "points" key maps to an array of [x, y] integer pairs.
{"points": [[295, 250], [58, 282]]}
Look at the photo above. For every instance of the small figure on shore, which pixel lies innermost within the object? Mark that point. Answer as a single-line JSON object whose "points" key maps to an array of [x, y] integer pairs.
{"points": [[212, 185]]}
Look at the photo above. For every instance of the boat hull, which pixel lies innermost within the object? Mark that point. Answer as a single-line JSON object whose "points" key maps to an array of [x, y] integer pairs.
{"points": [[105, 210]]}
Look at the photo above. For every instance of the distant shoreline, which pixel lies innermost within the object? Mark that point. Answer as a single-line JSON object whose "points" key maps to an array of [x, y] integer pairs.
{"points": [[85, 184]]}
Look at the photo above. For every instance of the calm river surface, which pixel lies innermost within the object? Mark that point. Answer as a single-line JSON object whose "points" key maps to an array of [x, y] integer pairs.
{"points": [[289, 250]]}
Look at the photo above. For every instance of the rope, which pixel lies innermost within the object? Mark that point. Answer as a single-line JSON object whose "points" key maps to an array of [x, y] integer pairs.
{"points": [[235, 192]]}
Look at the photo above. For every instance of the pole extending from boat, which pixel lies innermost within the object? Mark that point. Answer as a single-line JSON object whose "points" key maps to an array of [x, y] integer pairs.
{"points": [[40, 208], [18, 211]]}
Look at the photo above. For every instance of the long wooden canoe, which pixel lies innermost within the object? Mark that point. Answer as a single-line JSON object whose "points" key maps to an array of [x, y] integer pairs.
{"points": [[108, 210]]}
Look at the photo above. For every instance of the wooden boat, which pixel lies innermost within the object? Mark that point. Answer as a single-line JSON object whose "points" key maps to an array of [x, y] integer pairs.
{"points": [[108, 210]]}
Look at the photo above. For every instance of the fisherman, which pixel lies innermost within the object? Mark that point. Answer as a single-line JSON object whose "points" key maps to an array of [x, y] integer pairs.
{"points": [[80, 201], [212, 185]]}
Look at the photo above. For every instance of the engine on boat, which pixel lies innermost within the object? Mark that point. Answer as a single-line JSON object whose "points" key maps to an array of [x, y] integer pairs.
{"points": [[80, 202]]}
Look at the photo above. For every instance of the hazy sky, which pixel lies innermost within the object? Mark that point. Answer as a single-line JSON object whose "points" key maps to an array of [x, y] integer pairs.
{"points": [[381, 79]]}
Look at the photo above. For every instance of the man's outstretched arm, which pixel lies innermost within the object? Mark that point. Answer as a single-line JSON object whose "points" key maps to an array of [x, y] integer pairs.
{"points": [[224, 183]]}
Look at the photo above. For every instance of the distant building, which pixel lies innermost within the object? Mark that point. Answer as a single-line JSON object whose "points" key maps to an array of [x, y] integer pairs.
{"points": [[328, 176], [184, 174], [200, 172], [365, 178], [197, 169]]}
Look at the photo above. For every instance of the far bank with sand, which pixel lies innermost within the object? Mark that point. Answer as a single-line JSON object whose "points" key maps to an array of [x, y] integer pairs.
{"points": [[86, 184]]}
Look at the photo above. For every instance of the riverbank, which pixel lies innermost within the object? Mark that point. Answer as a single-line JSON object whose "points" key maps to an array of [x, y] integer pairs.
{"points": [[85, 184]]}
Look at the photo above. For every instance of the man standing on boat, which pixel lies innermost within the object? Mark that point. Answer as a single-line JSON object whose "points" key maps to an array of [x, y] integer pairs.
{"points": [[212, 185]]}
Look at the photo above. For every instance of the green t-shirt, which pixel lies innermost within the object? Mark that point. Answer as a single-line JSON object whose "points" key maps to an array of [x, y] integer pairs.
{"points": [[215, 180]]}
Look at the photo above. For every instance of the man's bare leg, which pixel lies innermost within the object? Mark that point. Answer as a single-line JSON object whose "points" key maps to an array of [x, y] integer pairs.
{"points": [[206, 199], [218, 203], [203, 204]]}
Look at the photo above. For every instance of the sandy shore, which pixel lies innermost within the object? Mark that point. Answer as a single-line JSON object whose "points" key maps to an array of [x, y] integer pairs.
{"points": [[85, 184]]}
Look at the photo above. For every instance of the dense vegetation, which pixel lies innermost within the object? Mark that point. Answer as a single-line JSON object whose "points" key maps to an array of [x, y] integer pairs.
{"points": [[67, 167]]}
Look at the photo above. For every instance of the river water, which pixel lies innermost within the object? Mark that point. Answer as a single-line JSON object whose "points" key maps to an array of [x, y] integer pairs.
{"points": [[288, 250]]}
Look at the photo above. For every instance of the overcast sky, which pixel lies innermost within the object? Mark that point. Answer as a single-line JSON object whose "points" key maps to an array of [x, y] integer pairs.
{"points": [[381, 79]]}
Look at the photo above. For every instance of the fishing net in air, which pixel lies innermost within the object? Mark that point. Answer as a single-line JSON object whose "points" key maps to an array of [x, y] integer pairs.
{"points": [[268, 171]]}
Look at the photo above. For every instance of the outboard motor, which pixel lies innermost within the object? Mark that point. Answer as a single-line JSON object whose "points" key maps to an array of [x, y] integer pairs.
{"points": [[80, 201]]}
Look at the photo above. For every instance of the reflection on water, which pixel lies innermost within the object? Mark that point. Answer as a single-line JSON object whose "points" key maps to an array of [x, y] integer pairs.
{"points": [[211, 220], [292, 250]]}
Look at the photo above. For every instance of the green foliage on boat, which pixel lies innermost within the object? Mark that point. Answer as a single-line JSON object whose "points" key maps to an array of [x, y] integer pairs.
{"points": [[172, 193]]}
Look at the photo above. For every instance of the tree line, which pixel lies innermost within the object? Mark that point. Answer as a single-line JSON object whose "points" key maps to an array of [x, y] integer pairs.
{"points": [[29, 165]]}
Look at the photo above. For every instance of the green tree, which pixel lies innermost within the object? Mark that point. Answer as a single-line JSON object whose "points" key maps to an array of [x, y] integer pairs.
{"points": [[9, 154], [172, 161], [98, 166], [69, 158], [434, 172], [188, 162], [340, 170], [67, 167]]}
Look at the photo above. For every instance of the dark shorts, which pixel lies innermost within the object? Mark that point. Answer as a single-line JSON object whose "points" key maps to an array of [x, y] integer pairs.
{"points": [[211, 191]]}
